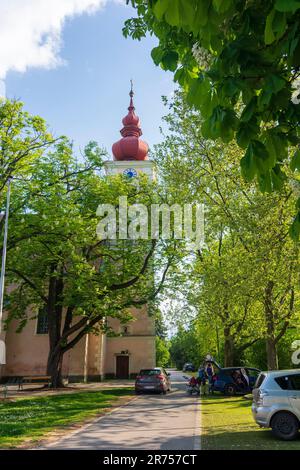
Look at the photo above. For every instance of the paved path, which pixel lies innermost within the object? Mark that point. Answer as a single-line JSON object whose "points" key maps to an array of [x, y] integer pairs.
{"points": [[152, 422]]}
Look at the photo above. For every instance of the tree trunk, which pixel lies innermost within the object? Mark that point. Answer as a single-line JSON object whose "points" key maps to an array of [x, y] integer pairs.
{"points": [[272, 358], [54, 311], [271, 348], [228, 348], [54, 369]]}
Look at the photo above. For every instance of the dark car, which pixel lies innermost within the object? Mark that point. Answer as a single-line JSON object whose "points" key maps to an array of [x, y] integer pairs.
{"points": [[153, 380], [188, 367], [234, 380]]}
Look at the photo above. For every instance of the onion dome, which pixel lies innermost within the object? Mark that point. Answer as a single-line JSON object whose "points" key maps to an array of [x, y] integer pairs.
{"points": [[130, 147]]}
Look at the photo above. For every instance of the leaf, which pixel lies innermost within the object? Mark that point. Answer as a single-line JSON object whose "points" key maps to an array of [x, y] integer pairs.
{"points": [[205, 129], [295, 228], [161, 7], [200, 16], [276, 147], [279, 24], [247, 131], [221, 5], [262, 159], [180, 76], [187, 12], [157, 54], [295, 162], [278, 178], [264, 182], [248, 166], [176, 12], [249, 110], [275, 83], [287, 5], [199, 95], [269, 35], [169, 60]]}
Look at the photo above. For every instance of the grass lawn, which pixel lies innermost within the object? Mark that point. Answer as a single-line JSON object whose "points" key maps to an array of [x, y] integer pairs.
{"points": [[30, 418], [227, 423]]}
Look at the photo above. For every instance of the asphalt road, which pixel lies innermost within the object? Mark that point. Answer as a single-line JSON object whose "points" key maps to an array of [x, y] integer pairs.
{"points": [[151, 422]]}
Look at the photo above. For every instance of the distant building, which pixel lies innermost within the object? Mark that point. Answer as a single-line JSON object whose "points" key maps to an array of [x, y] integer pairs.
{"points": [[94, 357]]}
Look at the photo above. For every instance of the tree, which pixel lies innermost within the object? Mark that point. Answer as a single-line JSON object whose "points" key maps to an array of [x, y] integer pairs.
{"points": [[239, 64], [246, 236], [162, 352], [23, 138], [56, 261], [161, 342], [161, 330]]}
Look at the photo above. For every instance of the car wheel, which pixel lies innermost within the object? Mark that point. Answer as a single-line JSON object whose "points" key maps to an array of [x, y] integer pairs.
{"points": [[164, 392], [138, 392], [285, 426], [230, 389]]}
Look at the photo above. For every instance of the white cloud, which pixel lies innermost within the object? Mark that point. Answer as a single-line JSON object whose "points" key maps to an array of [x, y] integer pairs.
{"points": [[30, 31]]}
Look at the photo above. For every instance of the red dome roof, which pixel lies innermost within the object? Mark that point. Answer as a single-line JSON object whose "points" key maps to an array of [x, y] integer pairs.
{"points": [[130, 147]]}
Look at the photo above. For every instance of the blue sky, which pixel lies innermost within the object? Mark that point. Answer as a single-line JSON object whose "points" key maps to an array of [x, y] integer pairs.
{"points": [[86, 97]]}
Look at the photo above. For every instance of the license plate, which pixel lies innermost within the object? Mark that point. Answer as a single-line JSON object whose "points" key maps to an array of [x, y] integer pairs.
{"points": [[149, 386]]}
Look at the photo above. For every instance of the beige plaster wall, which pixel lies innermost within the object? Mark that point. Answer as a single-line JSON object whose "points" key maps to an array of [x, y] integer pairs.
{"points": [[141, 351], [142, 323]]}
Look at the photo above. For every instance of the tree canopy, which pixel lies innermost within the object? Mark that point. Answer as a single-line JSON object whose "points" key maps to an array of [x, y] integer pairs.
{"points": [[239, 64], [244, 283]]}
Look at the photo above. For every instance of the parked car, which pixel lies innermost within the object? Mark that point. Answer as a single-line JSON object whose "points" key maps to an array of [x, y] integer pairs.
{"points": [[153, 380], [188, 367], [276, 402], [225, 379]]}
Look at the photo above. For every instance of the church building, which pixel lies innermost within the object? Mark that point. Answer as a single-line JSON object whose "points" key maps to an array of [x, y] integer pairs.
{"points": [[103, 356]]}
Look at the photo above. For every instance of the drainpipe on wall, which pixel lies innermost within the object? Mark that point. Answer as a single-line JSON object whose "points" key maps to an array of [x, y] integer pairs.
{"points": [[86, 352], [102, 354]]}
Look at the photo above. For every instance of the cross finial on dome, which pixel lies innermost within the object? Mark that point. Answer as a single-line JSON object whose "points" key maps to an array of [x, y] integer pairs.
{"points": [[131, 105], [131, 88]]}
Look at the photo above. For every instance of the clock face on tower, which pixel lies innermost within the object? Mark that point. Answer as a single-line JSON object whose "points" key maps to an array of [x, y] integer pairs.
{"points": [[130, 172]]}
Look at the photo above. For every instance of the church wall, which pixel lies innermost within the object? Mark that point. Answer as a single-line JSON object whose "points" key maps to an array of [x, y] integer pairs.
{"points": [[141, 324], [141, 351], [26, 352]]}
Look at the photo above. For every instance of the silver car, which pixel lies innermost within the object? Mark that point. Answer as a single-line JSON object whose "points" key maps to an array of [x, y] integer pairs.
{"points": [[276, 402]]}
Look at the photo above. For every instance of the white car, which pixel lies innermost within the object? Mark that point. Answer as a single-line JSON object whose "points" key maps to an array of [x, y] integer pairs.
{"points": [[276, 402]]}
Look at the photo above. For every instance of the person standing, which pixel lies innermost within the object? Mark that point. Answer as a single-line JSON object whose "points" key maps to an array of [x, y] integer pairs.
{"points": [[202, 380], [209, 369]]}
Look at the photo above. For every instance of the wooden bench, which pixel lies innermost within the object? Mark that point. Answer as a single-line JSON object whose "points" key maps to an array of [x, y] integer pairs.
{"points": [[35, 380]]}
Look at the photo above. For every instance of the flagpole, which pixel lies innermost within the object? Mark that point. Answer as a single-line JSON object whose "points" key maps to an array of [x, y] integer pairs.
{"points": [[2, 277]]}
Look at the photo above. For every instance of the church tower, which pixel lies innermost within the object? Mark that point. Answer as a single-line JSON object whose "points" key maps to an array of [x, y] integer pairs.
{"points": [[130, 152], [134, 348]]}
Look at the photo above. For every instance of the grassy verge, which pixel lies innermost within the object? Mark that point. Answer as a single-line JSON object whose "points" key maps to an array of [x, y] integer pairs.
{"points": [[227, 423], [30, 418]]}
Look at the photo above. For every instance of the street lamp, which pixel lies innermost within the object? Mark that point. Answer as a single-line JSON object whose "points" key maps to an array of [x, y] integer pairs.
{"points": [[2, 276]]}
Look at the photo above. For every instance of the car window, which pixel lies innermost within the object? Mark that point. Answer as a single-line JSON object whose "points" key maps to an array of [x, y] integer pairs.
{"points": [[150, 372], [283, 382], [253, 372], [226, 372], [259, 380], [295, 382]]}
